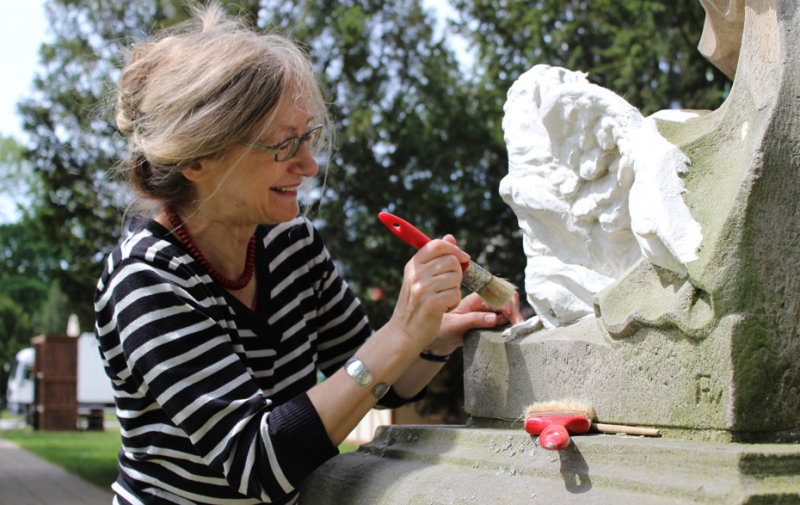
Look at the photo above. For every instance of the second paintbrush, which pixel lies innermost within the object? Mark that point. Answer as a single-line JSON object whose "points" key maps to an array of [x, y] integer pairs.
{"points": [[494, 291]]}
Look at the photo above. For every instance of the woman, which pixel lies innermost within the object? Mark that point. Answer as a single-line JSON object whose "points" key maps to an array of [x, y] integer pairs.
{"points": [[215, 316]]}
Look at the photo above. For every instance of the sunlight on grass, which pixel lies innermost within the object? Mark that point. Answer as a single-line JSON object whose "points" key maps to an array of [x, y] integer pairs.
{"points": [[5, 414], [89, 454]]}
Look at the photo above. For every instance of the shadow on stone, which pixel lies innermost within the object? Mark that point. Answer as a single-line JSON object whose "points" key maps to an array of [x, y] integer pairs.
{"points": [[575, 470]]}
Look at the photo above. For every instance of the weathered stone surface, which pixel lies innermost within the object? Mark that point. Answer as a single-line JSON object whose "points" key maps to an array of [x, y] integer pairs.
{"points": [[721, 350], [657, 378], [421, 465], [722, 33]]}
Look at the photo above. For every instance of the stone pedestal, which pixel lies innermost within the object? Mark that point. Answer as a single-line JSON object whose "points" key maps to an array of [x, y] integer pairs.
{"points": [[422, 465], [652, 380]]}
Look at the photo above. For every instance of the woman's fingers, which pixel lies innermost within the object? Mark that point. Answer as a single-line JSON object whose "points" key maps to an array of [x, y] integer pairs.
{"points": [[431, 287], [511, 311]]}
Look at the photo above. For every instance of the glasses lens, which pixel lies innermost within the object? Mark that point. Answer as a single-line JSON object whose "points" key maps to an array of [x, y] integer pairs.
{"points": [[313, 136], [287, 148]]}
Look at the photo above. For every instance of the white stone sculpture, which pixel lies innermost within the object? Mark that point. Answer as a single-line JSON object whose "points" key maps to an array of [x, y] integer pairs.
{"points": [[595, 187]]}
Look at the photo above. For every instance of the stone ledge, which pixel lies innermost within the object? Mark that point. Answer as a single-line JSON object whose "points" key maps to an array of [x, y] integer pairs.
{"points": [[408, 465]]}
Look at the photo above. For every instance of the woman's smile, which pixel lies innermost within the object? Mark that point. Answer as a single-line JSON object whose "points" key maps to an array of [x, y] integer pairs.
{"points": [[286, 190]]}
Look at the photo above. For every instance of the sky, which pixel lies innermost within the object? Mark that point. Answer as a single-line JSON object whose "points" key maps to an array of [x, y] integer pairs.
{"points": [[23, 28]]}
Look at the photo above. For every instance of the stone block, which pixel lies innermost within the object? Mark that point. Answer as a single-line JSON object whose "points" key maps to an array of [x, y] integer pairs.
{"points": [[423, 465]]}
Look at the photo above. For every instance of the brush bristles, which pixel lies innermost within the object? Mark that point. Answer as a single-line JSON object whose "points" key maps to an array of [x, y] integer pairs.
{"points": [[560, 406], [497, 293]]}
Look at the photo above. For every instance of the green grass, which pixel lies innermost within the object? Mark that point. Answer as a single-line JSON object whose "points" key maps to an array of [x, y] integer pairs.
{"points": [[89, 454], [5, 414]]}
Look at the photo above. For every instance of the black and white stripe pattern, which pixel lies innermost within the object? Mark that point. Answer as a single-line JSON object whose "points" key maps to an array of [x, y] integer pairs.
{"points": [[210, 396]]}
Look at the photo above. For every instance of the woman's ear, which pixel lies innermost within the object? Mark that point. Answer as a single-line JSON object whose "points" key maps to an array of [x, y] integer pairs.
{"points": [[196, 171]]}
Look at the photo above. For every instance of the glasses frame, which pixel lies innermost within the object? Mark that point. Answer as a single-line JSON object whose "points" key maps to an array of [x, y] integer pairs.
{"points": [[292, 141]]}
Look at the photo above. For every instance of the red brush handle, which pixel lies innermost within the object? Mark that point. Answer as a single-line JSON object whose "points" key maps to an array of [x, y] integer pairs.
{"points": [[575, 424], [405, 230], [408, 232], [554, 430], [554, 438]]}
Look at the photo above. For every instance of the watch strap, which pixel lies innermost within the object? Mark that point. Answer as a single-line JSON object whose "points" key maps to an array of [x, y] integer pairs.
{"points": [[433, 357], [380, 390]]}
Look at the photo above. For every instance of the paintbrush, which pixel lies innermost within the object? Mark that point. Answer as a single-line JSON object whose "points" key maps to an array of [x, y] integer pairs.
{"points": [[495, 292], [555, 421]]}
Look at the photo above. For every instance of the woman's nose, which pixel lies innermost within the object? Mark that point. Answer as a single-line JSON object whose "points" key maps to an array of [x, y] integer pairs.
{"points": [[303, 162]]}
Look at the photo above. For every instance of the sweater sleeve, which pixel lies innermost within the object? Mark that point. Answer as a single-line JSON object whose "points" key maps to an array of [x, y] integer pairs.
{"points": [[342, 321], [189, 392]]}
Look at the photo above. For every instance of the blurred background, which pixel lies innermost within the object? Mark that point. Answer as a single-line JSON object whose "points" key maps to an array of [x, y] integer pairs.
{"points": [[416, 89]]}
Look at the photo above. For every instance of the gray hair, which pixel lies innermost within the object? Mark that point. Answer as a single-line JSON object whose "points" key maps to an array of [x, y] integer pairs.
{"points": [[192, 91]]}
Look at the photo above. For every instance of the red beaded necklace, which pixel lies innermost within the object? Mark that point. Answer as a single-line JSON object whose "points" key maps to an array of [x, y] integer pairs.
{"points": [[226, 283]]}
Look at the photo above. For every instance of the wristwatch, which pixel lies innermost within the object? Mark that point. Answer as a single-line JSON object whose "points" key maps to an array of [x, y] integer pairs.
{"points": [[363, 377]]}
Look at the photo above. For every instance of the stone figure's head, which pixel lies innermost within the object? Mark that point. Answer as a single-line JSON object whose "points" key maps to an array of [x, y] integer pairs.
{"points": [[722, 33]]}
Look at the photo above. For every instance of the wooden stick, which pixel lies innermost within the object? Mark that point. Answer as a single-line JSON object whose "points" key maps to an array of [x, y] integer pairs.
{"points": [[628, 430]]}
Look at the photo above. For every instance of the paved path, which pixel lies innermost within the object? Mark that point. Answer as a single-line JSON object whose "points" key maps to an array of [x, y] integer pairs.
{"points": [[26, 479]]}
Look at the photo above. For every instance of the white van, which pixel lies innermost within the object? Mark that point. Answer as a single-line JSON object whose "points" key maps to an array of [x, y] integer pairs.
{"points": [[19, 393]]}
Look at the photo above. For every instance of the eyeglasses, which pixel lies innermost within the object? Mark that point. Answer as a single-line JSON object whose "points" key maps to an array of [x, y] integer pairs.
{"points": [[288, 148]]}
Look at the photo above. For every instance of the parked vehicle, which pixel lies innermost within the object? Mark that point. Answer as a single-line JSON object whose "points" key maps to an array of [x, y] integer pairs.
{"points": [[19, 393], [93, 386]]}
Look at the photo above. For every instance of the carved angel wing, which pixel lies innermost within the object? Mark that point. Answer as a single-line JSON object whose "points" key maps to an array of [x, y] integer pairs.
{"points": [[594, 186]]}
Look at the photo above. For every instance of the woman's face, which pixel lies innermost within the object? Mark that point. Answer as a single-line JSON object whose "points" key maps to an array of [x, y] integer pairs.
{"points": [[260, 190]]}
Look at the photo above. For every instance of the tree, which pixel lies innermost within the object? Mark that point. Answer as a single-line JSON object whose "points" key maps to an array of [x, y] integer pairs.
{"points": [[53, 315], [644, 50], [26, 265], [25, 260], [14, 173]]}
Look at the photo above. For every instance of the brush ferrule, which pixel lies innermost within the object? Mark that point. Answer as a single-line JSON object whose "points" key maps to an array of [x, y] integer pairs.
{"points": [[475, 277]]}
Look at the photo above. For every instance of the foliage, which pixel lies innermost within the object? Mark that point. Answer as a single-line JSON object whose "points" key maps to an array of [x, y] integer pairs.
{"points": [[23, 277], [27, 265], [53, 315], [14, 173], [644, 50]]}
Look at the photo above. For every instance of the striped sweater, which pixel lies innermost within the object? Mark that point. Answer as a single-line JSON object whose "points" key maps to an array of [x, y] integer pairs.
{"points": [[211, 397]]}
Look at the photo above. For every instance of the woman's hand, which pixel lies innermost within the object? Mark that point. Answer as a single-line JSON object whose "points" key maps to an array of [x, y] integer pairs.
{"points": [[431, 288], [471, 314]]}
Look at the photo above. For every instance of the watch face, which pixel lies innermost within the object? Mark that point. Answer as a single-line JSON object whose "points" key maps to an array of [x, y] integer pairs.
{"points": [[380, 390]]}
